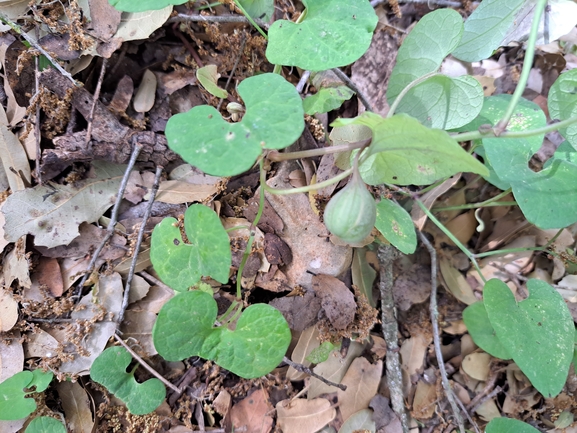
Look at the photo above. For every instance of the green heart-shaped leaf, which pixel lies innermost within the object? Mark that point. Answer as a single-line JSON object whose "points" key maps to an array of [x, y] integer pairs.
{"points": [[562, 103], [538, 332], [483, 334], [185, 328], [109, 370], [404, 152], [207, 254], [396, 225], [262, 9], [333, 33], [327, 99], [45, 424], [143, 5], [13, 402], [509, 425], [423, 50], [273, 120]]}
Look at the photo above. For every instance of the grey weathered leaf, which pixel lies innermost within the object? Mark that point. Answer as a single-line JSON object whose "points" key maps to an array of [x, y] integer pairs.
{"points": [[53, 212]]}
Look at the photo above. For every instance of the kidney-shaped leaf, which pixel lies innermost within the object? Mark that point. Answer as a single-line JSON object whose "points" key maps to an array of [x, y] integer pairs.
{"points": [[396, 225], [143, 5], [185, 328], [562, 103], [333, 33], [109, 370], [45, 424], [404, 152], [482, 332], [444, 102], [509, 425], [538, 332], [13, 401], [273, 120], [181, 265], [423, 50]]}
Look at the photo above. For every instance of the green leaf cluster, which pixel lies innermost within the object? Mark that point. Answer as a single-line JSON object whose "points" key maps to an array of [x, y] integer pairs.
{"points": [[537, 332], [14, 403]]}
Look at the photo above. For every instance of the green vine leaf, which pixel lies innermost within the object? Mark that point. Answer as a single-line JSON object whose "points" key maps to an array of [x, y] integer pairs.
{"points": [[181, 265], [483, 334], [185, 328], [562, 103], [262, 9], [109, 370], [538, 332], [13, 401], [396, 225], [443, 102], [143, 5], [327, 99], [333, 33], [404, 152], [509, 425], [486, 28], [45, 424], [434, 37], [273, 120]]}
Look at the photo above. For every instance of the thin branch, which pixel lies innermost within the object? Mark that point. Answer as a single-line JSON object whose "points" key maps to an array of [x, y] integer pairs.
{"points": [[141, 230], [387, 255], [303, 369], [215, 19], [113, 217], [145, 365], [154, 281], [354, 88], [36, 45], [436, 335], [94, 100]]}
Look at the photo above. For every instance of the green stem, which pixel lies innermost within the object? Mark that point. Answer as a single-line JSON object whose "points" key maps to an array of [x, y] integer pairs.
{"points": [[451, 236], [527, 65], [406, 90], [476, 135], [308, 188], [486, 203], [276, 156], [250, 20], [507, 251]]}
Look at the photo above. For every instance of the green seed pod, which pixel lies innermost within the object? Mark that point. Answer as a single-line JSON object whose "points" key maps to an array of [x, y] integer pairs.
{"points": [[352, 212]]}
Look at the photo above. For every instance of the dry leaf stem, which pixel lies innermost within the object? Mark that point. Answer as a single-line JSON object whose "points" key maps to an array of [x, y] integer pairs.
{"points": [[387, 254], [303, 369]]}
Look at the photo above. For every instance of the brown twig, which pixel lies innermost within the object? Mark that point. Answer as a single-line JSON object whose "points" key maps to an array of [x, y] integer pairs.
{"points": [[216, 19], [354, 88], [145, 365], [436, 335], [303, 369], [110, 230], [94, 100], [139, 238], [387, 255]]}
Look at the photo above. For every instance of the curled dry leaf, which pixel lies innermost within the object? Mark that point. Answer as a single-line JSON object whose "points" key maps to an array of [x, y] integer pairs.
{"points": [[477, 365], [424, 400], [145, 94], [76, 405], [456, 282], [304, 416], [16, 266], [308, 341], [40, 344]]}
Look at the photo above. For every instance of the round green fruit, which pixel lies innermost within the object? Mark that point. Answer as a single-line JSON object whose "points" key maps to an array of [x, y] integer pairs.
{"points": [[352, 212]]}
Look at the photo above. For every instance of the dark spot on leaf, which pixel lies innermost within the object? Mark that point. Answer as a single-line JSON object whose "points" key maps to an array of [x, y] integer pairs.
{"points": [[395, 177], [176, 242], [210, 116]]}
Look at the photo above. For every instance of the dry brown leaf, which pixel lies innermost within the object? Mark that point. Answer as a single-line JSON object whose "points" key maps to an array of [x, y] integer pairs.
{"points": [[413, 283], [47, 273], [456, 283], [512, 262], [11, 356], [222, 403], [137, 325], [8, 310], [14, 160], [304, 416], [362, 382], [76, 405], [463, 227], [419, 217], [40, 344], [16, 265], [308, 341], [337, 300], [135, 188], [424, 401], [413, 352], [3, 242], [104, 19], [488, 410], [251, 413], [145, 94], [477, 365], [333, 369], [179, 191]]}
